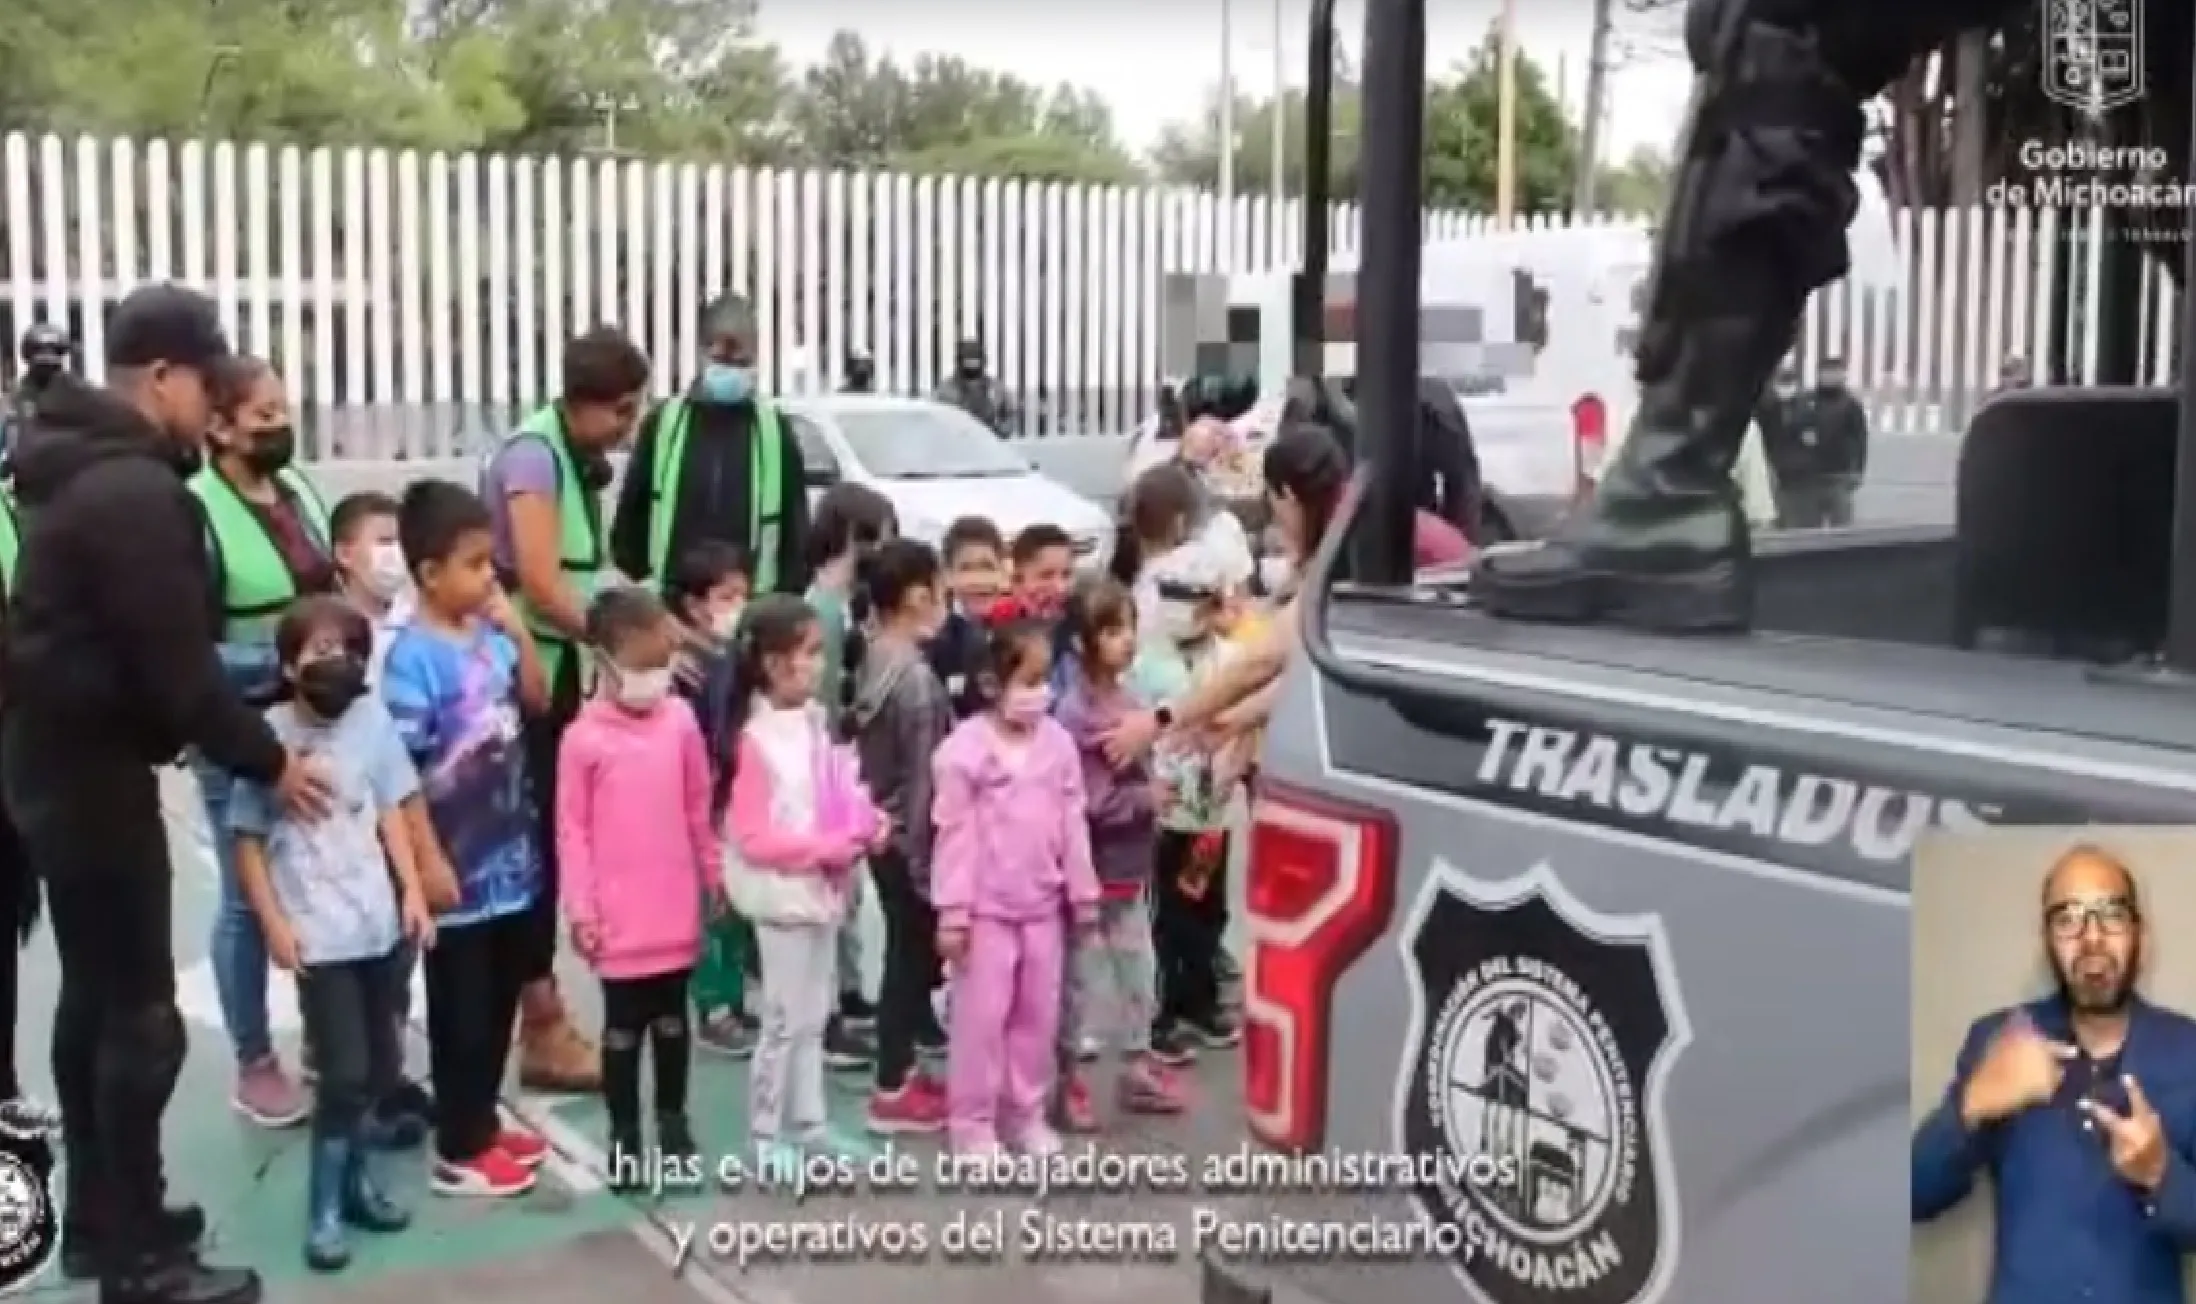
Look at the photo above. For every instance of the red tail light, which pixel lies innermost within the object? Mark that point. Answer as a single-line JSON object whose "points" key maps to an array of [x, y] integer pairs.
{"points": [[1321, 891], [1589, 440]]}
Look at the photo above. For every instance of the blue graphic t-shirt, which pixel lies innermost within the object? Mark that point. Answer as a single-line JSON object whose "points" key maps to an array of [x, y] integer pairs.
{"points": [[331, 876], [455, 701]]}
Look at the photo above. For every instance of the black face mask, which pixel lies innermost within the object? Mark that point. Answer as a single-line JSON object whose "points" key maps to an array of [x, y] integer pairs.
{"points": [[39, 373], [595, 470], [329, 686], [971, 367], [271, 451]]}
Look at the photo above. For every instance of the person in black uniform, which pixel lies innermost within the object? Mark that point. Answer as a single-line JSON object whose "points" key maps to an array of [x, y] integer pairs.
{"points": [[111, 673], [971, 388], [44, 351], [861, 373], [1818, 452]]}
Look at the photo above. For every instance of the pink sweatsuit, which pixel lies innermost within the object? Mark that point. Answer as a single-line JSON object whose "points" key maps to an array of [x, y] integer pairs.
{"points": [[635, 850], [1012, 866]]}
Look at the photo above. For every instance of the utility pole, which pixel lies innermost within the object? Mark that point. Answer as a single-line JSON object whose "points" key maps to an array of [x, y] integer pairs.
{"points": [[1227, 134], [1506, 119], [1280, 121], [1597, 95]]}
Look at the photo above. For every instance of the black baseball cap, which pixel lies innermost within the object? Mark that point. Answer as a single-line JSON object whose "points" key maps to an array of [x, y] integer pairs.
{"points": [[166, 323]]}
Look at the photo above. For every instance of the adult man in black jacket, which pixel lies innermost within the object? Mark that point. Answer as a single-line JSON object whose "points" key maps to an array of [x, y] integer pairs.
{"points": [[710, 492], [110, 673], [1818, 452]]}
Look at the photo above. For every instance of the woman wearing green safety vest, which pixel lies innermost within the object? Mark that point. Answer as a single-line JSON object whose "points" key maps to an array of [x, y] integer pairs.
{"points": [[544, 487], [268, 543], [717, 464]]}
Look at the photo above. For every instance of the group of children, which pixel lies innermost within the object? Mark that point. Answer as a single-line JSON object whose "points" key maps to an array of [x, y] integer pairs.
{"points": [[928, 724]]}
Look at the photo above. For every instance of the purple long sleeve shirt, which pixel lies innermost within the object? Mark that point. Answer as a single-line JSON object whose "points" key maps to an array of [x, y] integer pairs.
{"points": [[1117, 800]]}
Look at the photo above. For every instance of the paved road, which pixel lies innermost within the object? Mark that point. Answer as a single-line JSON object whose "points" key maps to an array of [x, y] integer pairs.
{"points": [[571, 1240]]}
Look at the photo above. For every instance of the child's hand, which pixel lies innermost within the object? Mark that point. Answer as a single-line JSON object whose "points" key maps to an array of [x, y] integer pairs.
{"points": [[1165, 796], [1086, 922], [881, 840], [282, 948], [419, 921], [953, 945], [438, 882], [587, 939], [503, 613]]}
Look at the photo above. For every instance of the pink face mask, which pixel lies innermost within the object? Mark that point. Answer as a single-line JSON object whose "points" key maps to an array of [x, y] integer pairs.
{"points": [[1026, 705]]}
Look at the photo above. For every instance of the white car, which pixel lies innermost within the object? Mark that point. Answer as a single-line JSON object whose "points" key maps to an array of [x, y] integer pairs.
{"points": [[937, 464]]}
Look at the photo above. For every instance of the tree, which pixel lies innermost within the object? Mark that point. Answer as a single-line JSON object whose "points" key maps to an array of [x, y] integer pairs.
{"points": [[1636, 187], [1461, 110]]}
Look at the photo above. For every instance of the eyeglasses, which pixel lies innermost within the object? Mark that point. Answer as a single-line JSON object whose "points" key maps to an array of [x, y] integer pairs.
{"points": [[2114, 916]]}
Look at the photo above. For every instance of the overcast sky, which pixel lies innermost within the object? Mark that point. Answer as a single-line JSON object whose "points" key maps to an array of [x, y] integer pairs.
{"points": [[1156, 61]]}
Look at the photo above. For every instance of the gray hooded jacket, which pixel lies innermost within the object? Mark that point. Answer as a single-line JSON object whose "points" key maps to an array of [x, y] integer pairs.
{"points": [[901, 713]]}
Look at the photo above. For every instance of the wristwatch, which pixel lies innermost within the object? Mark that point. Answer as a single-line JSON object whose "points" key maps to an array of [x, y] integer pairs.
{"points": [[1164, 714]]}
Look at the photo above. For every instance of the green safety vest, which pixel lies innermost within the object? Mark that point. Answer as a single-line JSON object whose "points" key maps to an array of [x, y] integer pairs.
{"points": [[579, 536], [764, 483], [256, 587], [11, 537]]}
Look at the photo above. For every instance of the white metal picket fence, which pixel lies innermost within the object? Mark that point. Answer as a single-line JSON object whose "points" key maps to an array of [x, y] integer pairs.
{"points": [[414, 299]]}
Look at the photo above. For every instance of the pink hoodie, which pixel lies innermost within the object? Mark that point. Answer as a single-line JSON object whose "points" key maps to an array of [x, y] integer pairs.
{"points": [[799, 820], [635, 852], [1013, 833]]}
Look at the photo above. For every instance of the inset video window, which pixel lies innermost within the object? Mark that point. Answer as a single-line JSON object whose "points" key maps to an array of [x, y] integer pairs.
{"points": [[2054, 1064]]}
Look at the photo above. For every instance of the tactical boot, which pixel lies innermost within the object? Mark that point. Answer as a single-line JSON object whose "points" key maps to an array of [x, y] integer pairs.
{"points": [[1756, 222], [86, 1217], [178, 1279]]}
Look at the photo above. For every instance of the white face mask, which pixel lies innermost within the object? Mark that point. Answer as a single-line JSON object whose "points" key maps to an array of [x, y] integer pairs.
{"points": [[724, 624], [386, 574], [640, 690]]}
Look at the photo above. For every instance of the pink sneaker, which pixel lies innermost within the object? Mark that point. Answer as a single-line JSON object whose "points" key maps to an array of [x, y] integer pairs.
{"points": [[1077, 1114], [1150, 1087], [524, 1148], [267, 1096]]}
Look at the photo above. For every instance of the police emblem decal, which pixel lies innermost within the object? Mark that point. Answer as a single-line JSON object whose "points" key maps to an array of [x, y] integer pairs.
{"points": [[30, 1221], [1542, 1035]]}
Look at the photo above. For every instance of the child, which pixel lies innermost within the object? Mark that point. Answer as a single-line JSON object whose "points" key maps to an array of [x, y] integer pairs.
{"points": [[334, 908], [851, 520], [799, 822], [707, 590], [1012, 870], [975, 563], [457, 675], [1190, 858], [370, 567], [901, 715], [1102, 619], [1044, 570], [638, 858], [370, 573]]}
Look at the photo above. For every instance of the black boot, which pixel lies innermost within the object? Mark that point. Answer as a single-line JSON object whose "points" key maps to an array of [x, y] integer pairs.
{"points": [[1756, 222], [85, 1219], [177, 1279]]}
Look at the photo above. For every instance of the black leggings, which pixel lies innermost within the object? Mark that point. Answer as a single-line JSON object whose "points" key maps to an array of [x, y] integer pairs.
{"points": [[910, 961], [540, 737], [18, 912], [644, 1013], [1189, 912]]}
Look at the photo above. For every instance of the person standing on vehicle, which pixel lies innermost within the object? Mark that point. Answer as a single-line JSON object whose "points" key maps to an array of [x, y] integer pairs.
{"points": [[1820, 454], [112, 672], [861, 373], [544, 487], [719, 462], [971, 389], [2076, 1107], [268, 543]]}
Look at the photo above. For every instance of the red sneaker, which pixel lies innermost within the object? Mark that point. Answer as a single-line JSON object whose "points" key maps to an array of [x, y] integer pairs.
{"points": [[1077, 1114], [489, 1175], [918, 1107], [525, 1149]]}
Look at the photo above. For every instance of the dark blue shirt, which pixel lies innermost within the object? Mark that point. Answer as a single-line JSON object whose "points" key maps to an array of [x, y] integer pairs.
{"points": [[2067, 1227], [955, 653]]}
